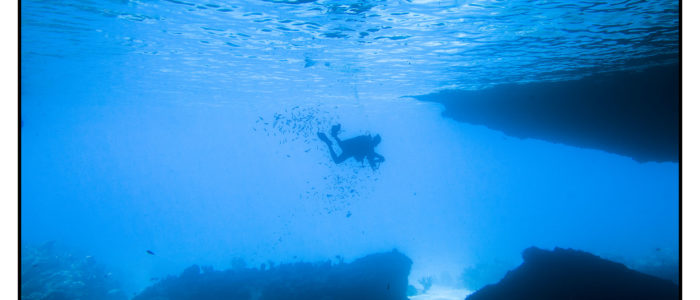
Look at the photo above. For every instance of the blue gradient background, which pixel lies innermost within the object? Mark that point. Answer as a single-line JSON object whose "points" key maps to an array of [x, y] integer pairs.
{"points": [[140, 133]]}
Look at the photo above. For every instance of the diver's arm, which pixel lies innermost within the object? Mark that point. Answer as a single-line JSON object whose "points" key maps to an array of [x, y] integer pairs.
{"points": [[374, 159], [379, 157], [372, 163]]}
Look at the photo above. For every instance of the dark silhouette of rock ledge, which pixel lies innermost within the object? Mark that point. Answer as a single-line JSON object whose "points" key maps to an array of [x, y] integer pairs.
{"points": [[630, 113], [573, 275], [378, 276]]}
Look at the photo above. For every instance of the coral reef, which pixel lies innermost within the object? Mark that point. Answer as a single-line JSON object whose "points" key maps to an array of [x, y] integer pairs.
{"points": [[48, 273]]}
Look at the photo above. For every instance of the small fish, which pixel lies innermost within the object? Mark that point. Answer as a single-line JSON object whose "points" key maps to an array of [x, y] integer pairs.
{"points": [[150, 252]]}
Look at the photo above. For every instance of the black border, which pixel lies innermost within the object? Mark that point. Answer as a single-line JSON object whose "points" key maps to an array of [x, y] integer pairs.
{"points": [[19, 149], [680, 150]]}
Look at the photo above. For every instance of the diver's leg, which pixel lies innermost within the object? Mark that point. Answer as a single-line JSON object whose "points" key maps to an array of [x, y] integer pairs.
{"points": [[334, 132], [338, 159], [324, 138]]}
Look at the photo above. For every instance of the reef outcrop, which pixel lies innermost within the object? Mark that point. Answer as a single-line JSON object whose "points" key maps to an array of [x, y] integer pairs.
{"points": [[630, 113], [377, 276], [571, 274]]}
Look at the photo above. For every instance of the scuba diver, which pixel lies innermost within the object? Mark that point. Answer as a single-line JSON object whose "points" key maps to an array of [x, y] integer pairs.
{"points": [[358, 147]]}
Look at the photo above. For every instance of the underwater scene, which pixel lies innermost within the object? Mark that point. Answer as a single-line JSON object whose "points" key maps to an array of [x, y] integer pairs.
{"points": [[349, 149]]}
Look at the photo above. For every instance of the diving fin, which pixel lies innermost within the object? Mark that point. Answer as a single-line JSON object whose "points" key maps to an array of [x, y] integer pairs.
{"points": [[324, 138]]}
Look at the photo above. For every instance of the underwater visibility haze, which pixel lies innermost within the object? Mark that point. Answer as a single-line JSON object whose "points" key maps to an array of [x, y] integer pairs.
{"points": [[161, 134]]}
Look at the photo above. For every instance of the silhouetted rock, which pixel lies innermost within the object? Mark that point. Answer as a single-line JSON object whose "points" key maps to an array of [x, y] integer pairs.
{"points": [[630, 113], [572, 275], [377, 276]]}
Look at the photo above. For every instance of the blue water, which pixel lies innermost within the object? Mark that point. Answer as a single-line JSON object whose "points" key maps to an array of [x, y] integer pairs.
{"points": [[150, 125]]}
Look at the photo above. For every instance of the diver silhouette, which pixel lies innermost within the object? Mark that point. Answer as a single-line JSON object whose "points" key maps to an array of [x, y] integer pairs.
{"points": [[358, 147]]}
